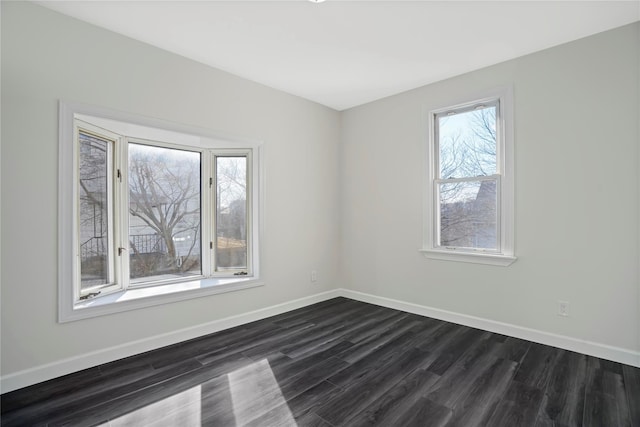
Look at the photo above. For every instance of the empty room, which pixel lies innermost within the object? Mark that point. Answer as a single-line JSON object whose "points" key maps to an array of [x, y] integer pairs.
{"points": [[320, 213]]}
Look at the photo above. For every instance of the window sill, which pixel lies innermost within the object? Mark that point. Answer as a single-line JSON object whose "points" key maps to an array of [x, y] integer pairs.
{"points": [[155, 295], [472, 257]]}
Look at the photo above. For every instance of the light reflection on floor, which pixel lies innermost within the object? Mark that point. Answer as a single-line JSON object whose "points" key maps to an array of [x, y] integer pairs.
{"points": [[254, 392], [182, 409]]}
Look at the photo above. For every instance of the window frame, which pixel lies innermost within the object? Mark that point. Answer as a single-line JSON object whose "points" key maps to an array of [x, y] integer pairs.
{"points": [[132, 284], [113, 194], [248, 209], [125, 295], [504, 255]]}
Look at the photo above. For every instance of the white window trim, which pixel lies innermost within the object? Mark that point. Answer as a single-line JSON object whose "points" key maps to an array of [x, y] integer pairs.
{"points": [[506, 198], [138, 297]]}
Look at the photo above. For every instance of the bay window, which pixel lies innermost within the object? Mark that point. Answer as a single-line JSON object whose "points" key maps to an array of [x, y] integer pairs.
{"points": [[150, 215]]}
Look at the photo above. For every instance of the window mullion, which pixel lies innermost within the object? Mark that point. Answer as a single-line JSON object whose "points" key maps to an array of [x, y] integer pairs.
{"points": [[206, 240], [122, 212], [214, 214], [111, 212]]}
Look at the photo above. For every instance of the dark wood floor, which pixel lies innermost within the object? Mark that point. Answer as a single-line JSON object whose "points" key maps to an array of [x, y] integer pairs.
{"points": [[340, 363]]}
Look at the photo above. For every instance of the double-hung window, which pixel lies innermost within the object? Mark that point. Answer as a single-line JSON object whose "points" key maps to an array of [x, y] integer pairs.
{"points": [[469, 206], [150, 215]]}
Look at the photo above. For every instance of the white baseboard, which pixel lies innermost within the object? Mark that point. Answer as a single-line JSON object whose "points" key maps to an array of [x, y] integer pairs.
{"points": [[603, 351], [46, 372], [73, 364]]}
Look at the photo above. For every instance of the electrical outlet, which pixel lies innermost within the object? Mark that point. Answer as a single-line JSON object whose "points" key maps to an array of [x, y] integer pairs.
{"points": [[314, 276], [563, 308]]}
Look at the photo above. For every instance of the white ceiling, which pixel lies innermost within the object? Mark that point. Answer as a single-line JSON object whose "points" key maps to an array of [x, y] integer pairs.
{"points": [[346, 53]]}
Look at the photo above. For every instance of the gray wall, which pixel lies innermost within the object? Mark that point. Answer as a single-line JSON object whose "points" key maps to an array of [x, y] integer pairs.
{"points": [[46, 57], [576, 144]]}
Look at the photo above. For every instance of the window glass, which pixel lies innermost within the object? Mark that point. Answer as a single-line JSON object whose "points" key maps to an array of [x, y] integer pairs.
{"points": [[231, 212], [95, 162], [467, 143], [164, 213], [468, 214]]}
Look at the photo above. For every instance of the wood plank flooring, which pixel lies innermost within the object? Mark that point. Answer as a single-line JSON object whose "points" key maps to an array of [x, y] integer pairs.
{"points": [[340, 363]]}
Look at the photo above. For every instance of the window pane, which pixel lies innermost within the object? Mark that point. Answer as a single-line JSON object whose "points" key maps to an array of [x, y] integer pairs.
{"points": [[467, 143], [231, 212], [164, 213], [95, 221], [468, 214]]}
